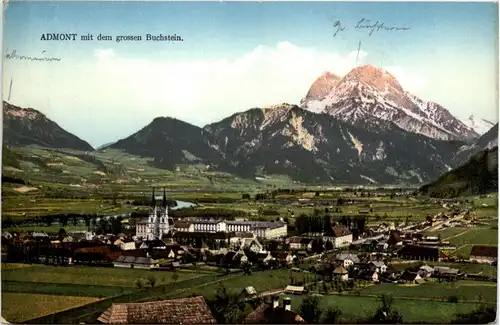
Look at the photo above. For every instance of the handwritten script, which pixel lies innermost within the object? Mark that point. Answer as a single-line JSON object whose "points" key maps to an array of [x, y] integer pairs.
{"points": [[12, 55], [368, 25]]}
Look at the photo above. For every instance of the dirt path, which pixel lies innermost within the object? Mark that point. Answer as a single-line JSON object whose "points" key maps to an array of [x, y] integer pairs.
{"points": [[204, 284], [459, 234]]}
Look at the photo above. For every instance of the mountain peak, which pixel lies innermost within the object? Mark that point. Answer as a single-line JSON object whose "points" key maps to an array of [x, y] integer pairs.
{"points": [[28, 126], [376, 77], [322, 86], [21, 112], [371, 92], [479, 125]]}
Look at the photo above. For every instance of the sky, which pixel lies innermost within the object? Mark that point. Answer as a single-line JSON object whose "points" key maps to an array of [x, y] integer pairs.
{"points": [[235, 56]]}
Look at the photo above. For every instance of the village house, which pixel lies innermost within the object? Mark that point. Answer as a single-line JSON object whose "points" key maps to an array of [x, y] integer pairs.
{"points": [[153, 244], [484, 254], [250, 244], [379, 266], [341, 273], [272, 313], [283, 258], [127, 245], [426, 271], [368, 275], [300, 243], [395, 239], [192, 310], [382, 246], [411, 278], [339, 236], [234, 259], [346, 260]]}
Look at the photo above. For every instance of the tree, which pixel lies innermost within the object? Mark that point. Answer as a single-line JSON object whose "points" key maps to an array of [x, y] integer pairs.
{"points": [[139, 284], [61, 234], [317, 246], [245, 196], [328, 245], [325, 287], [331, 315], [484, 314], [175, 277], [152, 281], [86, 218], [48, 219], [227, 308], [310, 310], [114, 196], [8, 222], [116, 225]]}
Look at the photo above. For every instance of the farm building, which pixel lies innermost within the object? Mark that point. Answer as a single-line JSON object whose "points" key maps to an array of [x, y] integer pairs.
{"points": [[273, 313], [415, 252], [484, 254], [294, 290]]}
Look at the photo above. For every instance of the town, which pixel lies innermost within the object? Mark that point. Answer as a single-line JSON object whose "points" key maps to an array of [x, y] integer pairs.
{"points": [[327, 256]]}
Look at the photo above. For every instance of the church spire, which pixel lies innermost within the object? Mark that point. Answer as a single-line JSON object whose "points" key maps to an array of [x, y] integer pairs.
{"points": [[164, 202], [153, 200]]}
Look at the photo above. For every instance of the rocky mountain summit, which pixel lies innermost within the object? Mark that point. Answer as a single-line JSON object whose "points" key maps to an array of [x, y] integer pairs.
{"points": [[370, 92]]}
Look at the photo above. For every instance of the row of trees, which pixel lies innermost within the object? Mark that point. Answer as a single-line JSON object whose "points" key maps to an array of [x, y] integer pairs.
{"points": [[113, 225], [305, 224]]}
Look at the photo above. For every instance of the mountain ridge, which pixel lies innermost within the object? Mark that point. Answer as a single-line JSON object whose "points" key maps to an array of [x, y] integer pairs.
{"points": [[370, 91], [28, 126], [479, 175]]}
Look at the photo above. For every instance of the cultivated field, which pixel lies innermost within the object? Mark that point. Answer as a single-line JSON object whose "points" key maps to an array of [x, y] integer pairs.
{"points": [[19, 307], [262, 281], [356, 308], [83, 281], [475, 236], [465, 291]]}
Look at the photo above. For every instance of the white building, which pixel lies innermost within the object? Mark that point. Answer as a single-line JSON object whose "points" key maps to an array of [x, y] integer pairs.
{"points": [[157, 223], [347, 260], [261, 229], [339, 236]]}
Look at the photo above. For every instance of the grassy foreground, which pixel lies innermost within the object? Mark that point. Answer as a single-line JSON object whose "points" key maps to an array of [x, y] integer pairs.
{"points": [[19, 307]]}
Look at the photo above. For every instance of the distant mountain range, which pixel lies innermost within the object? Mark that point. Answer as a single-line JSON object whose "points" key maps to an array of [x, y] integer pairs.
{"points": [[361, 128]]}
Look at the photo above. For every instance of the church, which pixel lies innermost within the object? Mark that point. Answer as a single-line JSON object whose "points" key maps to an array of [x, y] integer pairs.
{"points": [[158, 223]]}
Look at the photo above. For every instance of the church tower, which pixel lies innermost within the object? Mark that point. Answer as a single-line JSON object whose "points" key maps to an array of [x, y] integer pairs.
{"points": [[164, 226], [153, 229]]}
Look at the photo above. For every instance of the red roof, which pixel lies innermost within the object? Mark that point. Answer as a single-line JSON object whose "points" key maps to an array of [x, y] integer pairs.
{"points": [[339, 231], [178, 311]]}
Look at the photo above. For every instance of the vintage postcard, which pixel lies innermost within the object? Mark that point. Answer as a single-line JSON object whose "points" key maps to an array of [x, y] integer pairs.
{"points": [[249, 162]]}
